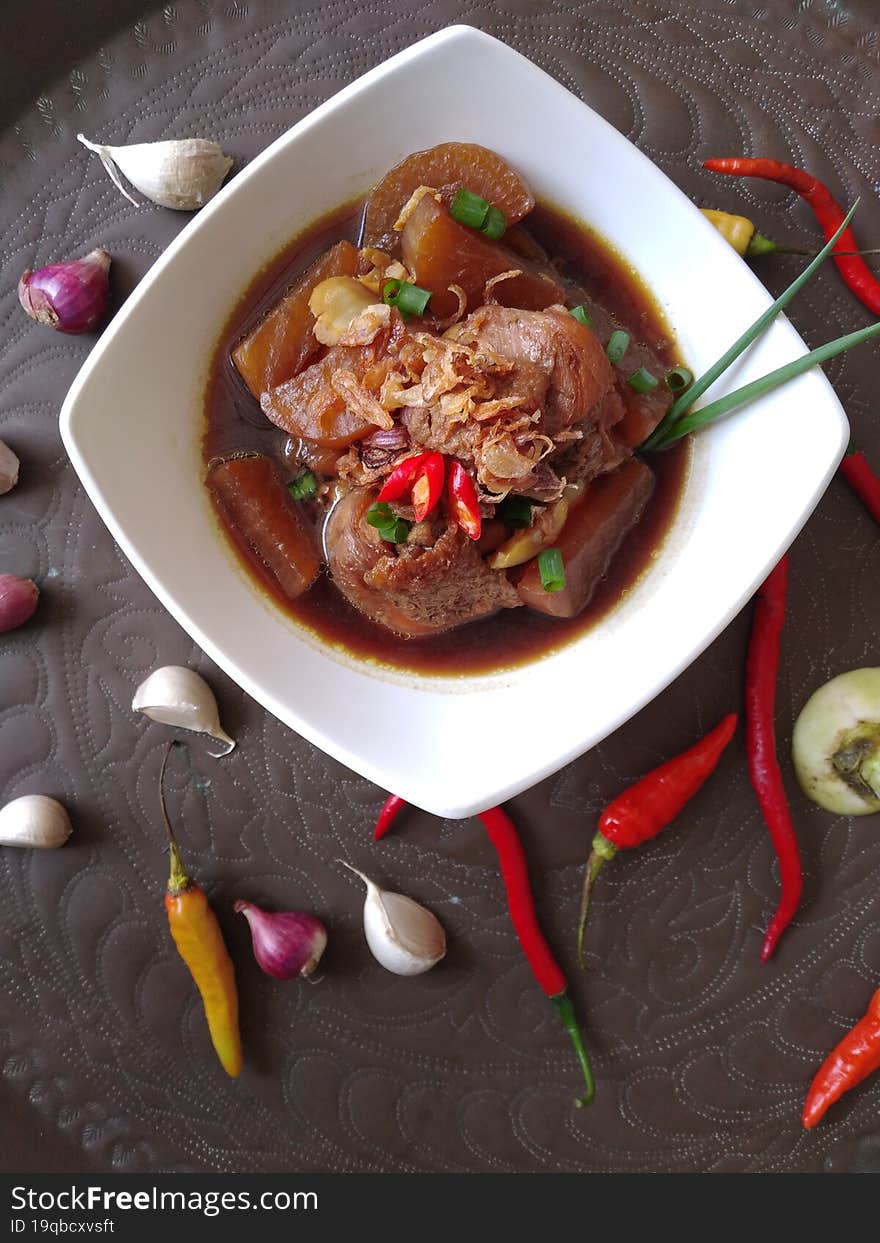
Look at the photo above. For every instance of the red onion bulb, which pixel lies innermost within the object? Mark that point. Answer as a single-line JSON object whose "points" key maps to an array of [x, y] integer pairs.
{"points": [[69, 297], [287, 943], [18, 599]]}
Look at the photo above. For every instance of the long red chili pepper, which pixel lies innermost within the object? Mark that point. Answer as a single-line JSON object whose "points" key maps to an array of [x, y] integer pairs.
{"points": [[851, 1061], [392, 806], [857, 472], [762, 665], [514, 871], [643, 810], [858, 277]]}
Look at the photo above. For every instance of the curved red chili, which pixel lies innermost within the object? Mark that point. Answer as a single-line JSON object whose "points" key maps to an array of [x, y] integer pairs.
{"points": [[514, 872], [851, 1061], [857, 472], [391, 808], [643, 810], [762, 664], [859, 278]]}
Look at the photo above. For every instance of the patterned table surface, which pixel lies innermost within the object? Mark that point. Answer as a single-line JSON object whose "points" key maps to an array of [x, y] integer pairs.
{"points": [[702, 1053]]}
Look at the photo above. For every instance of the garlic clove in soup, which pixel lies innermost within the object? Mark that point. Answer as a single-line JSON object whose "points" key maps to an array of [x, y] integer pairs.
{"points": [[34, 820], [174, 695], [336, 303], [182, 174], [404, 937]]}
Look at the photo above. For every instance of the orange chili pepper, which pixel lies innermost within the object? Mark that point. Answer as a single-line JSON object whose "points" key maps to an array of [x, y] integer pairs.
{"points": [[851, 1061], [200, 944]]}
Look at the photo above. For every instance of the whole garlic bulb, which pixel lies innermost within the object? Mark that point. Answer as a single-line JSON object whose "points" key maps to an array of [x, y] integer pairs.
{"points": [[403, 936], [179, 173], [175, 695], [34, 820]]}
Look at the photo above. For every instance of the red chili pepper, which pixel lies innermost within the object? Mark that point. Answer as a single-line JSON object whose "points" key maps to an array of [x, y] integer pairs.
{"points": [[643, 810], [428, 486], [762, 665], [504, 837], [392, 806], [402, 478], [851, 1061], [463, 501], [858, 277], [857, 472]]}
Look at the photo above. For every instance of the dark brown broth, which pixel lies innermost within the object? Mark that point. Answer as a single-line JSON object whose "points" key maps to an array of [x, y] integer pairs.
{"points": [[512, 637]]}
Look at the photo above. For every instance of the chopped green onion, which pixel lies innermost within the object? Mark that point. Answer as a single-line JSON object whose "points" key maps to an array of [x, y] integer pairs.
{"points": [[516, 512], [409, 299], [387, 523], [478, 213], [757, 388], [618, 344], [582, 315], [642, 380], [686, 399], [468, 208], [495, 224], [679, 378], [551, 569], [304, 486]]}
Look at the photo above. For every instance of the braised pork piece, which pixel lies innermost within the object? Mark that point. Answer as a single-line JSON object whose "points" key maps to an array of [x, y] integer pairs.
{"points": [[424, 444]]}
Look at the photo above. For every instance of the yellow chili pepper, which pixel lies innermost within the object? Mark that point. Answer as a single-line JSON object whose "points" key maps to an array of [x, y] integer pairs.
{"points": [[745, 238], [200, 944], [737, 230], [748, 242]]}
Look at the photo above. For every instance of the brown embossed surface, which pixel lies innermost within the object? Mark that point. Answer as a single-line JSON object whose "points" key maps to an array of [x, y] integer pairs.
{"points": [[703, 1055]]}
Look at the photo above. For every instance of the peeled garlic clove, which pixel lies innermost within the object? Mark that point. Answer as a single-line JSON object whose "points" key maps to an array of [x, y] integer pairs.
{"points": [[335, 304], [403, 937], [8, 468], [174, 695], [180, 173], [34, 820]]}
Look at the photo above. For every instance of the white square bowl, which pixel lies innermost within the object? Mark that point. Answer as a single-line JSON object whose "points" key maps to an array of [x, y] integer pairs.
{"points": [[133, 418]]}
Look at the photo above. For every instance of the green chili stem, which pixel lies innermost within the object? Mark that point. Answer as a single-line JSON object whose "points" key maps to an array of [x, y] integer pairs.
{"points": [[563, 1003], [178, 881], [591, 871]]}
